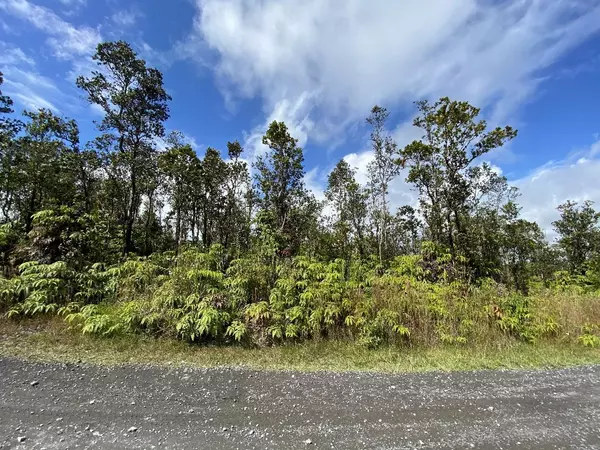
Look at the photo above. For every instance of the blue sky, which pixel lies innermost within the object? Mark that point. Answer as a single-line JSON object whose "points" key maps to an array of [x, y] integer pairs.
{"points": [[232, 66]]}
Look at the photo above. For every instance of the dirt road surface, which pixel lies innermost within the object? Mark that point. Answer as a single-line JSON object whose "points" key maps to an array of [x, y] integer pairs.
{"points": [[60, 406]]}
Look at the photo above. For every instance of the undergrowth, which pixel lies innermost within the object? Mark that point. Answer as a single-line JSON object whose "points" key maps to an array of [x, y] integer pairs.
{"points": [[197, 297]]}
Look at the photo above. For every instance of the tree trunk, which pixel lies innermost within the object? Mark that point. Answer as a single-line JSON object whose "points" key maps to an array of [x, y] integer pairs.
{"points": [[177, 230], [147, 246], [130, 219]]}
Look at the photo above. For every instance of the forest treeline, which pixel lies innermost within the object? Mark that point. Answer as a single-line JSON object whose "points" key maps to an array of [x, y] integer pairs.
{"points": [[119, 235]]}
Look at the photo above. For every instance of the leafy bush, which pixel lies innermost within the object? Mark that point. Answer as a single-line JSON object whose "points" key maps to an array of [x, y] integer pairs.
{"points": [[590, 336], [193, 296], [39, 288]]}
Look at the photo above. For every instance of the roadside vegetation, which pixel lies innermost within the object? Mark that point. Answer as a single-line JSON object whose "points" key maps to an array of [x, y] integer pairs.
{"points": [[134, 239]]}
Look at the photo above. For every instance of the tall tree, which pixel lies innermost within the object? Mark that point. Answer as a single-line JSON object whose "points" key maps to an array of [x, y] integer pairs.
{"points": [[135, 108], [9, 154], [46, 165], [280, 181], [180, 166], [486, 219], [236, 226], [523, 244], [385, 166], [212, 201], [578, 234], [405, 234], [441, 166], [349, 200]]}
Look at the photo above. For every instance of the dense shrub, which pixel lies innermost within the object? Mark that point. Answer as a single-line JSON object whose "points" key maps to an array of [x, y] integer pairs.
{"points": [[194, 297]]}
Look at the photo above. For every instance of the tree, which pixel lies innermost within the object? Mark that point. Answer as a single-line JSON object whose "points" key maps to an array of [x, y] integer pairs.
{"points": [[486, 220], [45, 168], [9, 154], [405, 234], [238, 203], [64, 234], [134, 103], [578, 234], [213, 178], [350, 203], [523, 245], [385, 166], [285, 204], [441, 167], [180, 166], [9, 127]]}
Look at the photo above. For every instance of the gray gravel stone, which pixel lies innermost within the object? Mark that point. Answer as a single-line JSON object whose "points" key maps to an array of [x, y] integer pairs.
{"points": [[546, 409]]}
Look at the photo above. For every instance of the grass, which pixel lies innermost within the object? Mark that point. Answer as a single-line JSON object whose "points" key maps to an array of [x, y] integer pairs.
{"points": [[52, 341]]}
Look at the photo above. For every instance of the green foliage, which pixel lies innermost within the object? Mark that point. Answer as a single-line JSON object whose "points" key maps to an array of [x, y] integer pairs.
{"points": [[135, 106], [579, 234], [590, 336], [118, 236], [47, 288], [386, 166], [39, 288], [350, 202], [238, 330], [288, 210], [193, 297]]}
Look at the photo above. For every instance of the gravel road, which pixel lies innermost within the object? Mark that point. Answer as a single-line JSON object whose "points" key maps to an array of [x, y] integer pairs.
{"points": [[60, 406]]}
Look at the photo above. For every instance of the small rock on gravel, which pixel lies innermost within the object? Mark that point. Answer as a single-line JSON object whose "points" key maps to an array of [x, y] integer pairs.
{"points": [[132, 430]]}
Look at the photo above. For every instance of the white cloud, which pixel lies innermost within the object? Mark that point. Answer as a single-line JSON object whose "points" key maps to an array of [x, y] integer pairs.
{"points": [[30, 89], [545, 188], [72, 7], [161, 144], [6, 28], [67, 40], [347, 56], [155, 58], [192, 141], [320, 65], [126, 18], [11, 56], [25, 85]]}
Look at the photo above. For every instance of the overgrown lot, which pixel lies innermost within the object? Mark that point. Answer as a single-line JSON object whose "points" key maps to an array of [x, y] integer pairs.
{"points": [[135, 236], [191, 297]]}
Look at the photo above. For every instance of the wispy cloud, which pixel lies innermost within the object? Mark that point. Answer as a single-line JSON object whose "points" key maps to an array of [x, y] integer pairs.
{"points": [[73, 2], [161, 143], [126, 17], [324, 69], [27, 87], [11, 56], [348, 56], [73, 7], [296, 117], [66, 40], [30, 89], [546, 187]]}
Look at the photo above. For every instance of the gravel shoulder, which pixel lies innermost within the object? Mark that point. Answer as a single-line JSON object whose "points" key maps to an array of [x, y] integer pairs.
{"points": [[59, 406]]}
